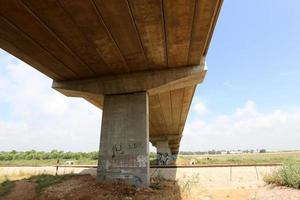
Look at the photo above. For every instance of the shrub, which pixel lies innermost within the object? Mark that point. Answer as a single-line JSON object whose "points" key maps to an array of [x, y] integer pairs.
{"points": [[288, 175]]}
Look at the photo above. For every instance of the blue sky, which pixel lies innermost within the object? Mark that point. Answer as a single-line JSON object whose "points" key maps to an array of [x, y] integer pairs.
{"points": [[254, 54], [251, 91]]}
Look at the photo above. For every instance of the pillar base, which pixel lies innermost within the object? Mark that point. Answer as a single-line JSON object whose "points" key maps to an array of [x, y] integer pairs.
{"points": [[125, 139]]}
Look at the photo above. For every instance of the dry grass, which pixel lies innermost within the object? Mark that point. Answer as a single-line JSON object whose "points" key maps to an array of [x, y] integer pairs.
{"points": [[288, 175]]}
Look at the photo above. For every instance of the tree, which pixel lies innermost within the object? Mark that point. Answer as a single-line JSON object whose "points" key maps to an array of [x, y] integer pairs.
{"points": [[262, 151]]}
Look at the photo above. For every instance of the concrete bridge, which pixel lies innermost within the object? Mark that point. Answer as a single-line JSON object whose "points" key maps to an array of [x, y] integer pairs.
{"points": [[137, 60]]}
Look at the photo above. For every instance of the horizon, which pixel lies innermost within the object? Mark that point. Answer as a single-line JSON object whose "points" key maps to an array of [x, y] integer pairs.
{"points": [[180, 152]]}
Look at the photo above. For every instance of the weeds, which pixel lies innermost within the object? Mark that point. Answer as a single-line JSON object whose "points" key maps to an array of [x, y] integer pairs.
{"points": [[188, 182], [6, 187], [288, 175], [156, 181], [44, 181]]}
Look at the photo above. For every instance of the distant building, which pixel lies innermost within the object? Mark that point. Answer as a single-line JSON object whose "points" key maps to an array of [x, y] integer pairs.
{"points": [[235, 152], [69, 162]]}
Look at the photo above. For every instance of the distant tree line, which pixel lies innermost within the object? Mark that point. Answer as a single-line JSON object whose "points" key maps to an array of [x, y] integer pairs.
{"points": [[213, 152], [55, 154], [42, 155]]}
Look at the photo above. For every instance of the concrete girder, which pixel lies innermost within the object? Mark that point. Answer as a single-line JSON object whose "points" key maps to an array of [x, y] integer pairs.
{"points": [[151, 81], [156, 139], [171, 139]]}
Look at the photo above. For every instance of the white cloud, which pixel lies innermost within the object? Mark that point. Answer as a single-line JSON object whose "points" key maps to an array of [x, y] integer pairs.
{"points": [[200, 108], [245, 128], [41, 118]]}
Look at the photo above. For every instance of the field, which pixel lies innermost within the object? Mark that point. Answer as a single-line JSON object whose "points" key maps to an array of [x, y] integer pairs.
{"points": [[48, 162], [246, 158]]}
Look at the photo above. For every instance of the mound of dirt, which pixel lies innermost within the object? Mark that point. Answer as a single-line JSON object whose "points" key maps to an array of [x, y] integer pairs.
{"points": [[85, 187]]}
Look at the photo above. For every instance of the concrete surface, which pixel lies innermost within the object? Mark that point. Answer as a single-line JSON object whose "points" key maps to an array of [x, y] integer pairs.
{"points": [[163, 152], [124, 139]]}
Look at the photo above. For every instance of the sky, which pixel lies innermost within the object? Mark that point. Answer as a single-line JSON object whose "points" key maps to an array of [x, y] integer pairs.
{"points": [[250, 98]]}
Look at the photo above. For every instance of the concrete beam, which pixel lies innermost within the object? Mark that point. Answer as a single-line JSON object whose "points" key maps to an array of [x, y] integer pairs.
{"points": [[151, 81], [174, 145], [155, 139]]}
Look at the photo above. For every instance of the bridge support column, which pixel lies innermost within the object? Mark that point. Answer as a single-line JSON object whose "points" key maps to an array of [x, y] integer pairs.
{"points": [[163, 152], [125, 139]]}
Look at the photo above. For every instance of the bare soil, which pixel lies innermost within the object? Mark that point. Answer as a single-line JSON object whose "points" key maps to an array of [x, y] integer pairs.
{"points": [[23, 189], [276, 193], [85, 187]]}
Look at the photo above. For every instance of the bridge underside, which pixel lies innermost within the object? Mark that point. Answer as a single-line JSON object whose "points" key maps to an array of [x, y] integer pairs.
{"points": [[98, 49]]}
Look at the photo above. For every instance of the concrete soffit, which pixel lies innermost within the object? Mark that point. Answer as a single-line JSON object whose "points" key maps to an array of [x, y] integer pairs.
{"points": [[155, 139], [153, 82]]}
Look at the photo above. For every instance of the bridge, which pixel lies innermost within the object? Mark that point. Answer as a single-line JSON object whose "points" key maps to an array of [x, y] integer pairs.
{"points": [[137, 60]]}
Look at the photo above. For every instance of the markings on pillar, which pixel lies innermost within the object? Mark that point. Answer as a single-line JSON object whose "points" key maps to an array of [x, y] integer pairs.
{"points": [[142, 160], [133, 146], [126, 156], [162, 158], [117, 150], [121, 149], [105, 164]]}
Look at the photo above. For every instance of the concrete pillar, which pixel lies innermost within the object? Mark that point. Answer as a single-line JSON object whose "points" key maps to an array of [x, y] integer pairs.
{"points": [[124, 144], [163, 152]]}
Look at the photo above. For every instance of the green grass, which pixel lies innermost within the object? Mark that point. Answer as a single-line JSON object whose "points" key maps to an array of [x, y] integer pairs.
{"points": [[44, 181], [288, 175], [255, 158], [45, 162], [6, 187]]}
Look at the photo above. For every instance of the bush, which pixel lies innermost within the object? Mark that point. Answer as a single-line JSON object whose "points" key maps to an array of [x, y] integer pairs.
{"points": [[288, 175]]}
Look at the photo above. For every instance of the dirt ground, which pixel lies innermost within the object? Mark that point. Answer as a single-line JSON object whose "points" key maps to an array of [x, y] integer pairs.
{"points": [[276, 193], [194, 184], [85, 187]]}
